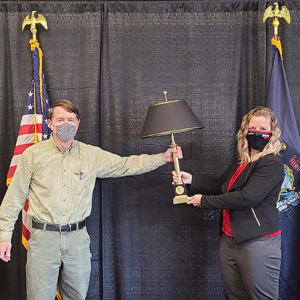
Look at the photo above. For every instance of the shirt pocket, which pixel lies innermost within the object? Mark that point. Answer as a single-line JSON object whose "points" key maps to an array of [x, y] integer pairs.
{"points": [[81, 182]]}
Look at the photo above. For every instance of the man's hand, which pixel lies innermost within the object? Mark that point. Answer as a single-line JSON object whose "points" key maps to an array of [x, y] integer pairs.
{"points": [[5, 248], [195, 200], [168, 155], [186, 177]]}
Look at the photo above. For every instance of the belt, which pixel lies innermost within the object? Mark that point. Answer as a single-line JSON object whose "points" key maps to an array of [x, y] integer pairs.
{"points": [[60, 228]]}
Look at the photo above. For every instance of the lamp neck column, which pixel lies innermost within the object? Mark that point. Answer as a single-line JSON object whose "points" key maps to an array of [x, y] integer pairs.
{"points": [[175, 158]]}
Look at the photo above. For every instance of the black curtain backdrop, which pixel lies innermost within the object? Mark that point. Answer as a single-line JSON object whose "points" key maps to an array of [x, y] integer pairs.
{"points": [[113, 59]]}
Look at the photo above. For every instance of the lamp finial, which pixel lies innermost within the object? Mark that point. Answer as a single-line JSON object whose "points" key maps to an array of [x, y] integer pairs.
{"points": [[165, 94]]}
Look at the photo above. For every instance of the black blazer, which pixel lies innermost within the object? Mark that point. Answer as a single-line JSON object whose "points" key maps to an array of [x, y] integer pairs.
{"points": [[251, 199]]}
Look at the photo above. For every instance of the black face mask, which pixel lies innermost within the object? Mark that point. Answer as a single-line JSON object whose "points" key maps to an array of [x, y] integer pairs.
{"points": [[258, 139]]}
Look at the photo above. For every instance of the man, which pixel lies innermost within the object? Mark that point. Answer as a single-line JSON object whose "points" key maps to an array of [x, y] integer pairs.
{"points": [[58, 177]]}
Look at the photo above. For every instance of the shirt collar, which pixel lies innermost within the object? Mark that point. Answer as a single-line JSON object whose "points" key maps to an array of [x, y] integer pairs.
{"points": [[71, 149]]}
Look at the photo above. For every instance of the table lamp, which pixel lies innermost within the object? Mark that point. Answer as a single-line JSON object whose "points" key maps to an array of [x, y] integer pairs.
{"points": [[171, 117]]}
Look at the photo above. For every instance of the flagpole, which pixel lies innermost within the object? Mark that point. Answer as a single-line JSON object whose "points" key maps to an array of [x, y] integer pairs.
{"points": [[288, 204], [39, 102]]}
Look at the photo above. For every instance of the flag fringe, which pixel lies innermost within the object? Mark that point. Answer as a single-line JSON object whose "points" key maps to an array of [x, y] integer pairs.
{"points": [[277, 44]]}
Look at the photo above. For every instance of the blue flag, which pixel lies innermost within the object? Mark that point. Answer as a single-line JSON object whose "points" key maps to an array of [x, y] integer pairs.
{"points": [[279, 100]]}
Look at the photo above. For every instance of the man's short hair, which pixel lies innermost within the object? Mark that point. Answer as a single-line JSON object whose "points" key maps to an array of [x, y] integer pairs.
{"points": [[67, 105]]}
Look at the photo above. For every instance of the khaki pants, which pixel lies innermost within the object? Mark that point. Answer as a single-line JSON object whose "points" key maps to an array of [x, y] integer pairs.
{"points": [[53, 256]]}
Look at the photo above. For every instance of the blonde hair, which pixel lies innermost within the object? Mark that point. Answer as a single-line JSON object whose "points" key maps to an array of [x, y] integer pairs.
{"points": [[273, 146]]}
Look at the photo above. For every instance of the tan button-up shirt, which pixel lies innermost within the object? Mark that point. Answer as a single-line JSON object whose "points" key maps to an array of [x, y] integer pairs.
{"points": [[59, 185]]}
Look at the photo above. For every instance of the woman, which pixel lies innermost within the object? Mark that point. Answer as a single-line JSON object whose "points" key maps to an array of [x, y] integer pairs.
{"points": [[250, 244]]}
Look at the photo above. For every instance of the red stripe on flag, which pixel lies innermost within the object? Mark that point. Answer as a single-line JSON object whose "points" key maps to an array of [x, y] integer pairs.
{"points": [[21, 148], [28, 129], [25, 232], [11, 171], [26, 205]]}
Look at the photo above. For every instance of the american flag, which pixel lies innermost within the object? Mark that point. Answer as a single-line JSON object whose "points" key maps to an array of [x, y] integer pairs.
{"points": [[34, 126]]}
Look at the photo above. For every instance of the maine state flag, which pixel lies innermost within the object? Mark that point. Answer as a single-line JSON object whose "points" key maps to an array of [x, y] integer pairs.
{"points": [[279, 100]]}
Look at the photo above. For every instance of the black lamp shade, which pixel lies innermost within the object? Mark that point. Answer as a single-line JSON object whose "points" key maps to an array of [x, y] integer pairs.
{"points": [[169, 117]]}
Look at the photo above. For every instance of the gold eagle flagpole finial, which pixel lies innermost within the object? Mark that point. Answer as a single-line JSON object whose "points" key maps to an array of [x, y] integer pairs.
{"points": [[275, 14], [33, 21]]}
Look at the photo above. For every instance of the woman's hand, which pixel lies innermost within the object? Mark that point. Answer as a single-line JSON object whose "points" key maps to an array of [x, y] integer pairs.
{"points": [[186, 177], [195, 200]]}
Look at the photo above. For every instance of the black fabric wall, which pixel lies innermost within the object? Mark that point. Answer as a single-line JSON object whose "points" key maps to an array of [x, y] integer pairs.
{"points": [[113, 59]]}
